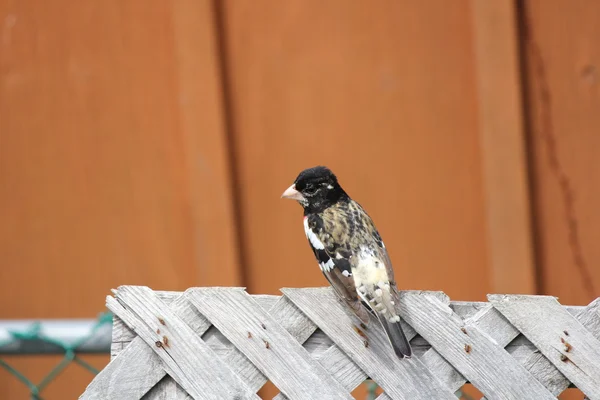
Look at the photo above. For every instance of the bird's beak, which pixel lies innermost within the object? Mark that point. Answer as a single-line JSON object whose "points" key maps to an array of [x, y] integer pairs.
{"points": [[292, 193]]}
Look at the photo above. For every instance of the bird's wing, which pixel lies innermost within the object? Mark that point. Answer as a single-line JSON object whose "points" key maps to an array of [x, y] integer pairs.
{"points": [[382, 254], [335, 265], [376, 284], [383, 299], [392, 326]]}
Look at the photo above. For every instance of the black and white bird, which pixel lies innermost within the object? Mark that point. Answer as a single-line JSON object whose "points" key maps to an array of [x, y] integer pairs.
{"points": [[349, 251]]}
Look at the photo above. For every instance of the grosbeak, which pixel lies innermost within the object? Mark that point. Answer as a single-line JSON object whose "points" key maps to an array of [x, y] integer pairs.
{"points": [[349, 251]]}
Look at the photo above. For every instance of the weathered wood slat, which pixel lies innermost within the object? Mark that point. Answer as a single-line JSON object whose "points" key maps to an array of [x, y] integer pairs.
{"points": [[120, 380], [146, 373], [269, 346], [400, 379], [544, 322], [289, 317], [486, 364], [310, 318], [185, 356], [166, 389], [544, 370]]}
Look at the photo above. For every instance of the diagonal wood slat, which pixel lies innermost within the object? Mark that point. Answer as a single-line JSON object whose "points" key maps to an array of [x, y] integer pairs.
{"points": [[486, 364], [544, 370], [269, 346], [188, 359], [559, 336], [150, 370], [314, 352], [400, 379], [119, 380]]}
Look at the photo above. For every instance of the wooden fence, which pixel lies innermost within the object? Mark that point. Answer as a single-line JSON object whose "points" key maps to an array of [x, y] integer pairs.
{"points": [[209, 343]]}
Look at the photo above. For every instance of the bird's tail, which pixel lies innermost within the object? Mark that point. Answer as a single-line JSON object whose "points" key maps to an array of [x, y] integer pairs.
{"points": [[396, 336]]}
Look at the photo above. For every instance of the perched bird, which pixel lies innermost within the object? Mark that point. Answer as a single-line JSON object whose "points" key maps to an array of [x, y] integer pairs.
{"points": [[349, 251]]}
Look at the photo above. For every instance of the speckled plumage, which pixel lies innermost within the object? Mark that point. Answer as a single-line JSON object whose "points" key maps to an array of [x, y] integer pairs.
{"points": [[349, 250]]}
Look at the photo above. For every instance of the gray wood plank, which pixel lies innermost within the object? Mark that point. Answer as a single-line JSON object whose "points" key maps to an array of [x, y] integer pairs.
{"points": [[220, 345], [464, 309], [535, 362], [331, 357], [474, 354], [118, 379], [487, 319], [400, 379], [167, 389], [287, 315], [269, 346], [241, 365], [122, 335], [543, 321], [185, 356], [319, 345], [128, 376], [341, 367]]}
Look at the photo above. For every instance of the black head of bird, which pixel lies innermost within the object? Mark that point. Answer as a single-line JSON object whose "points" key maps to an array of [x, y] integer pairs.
{"points": [[315, 189]]}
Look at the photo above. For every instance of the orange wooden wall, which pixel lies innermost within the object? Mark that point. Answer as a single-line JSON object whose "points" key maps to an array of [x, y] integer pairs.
{"points": [[148, 143]]}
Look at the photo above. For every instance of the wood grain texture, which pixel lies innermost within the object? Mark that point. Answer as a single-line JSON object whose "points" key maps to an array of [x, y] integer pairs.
{"points": [[120, 380], [541, 367], [400, 379], [580, 361], [168, 389], [204, 145], [384, 94], [562, 89], [480, 323], [132, 348], [286, 314], [481, 360], [185, 356], [113, 165], [502, 137], [100, 180], [269, 346]]}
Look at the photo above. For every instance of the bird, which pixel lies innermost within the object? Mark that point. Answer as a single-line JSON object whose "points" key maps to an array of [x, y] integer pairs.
{"points": [[350, 251]]}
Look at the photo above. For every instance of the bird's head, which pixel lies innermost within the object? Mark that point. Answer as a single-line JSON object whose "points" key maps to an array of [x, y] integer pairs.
{"points": [[315, 189]]}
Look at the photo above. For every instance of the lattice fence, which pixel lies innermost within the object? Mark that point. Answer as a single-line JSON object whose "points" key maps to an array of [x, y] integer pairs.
{"points": [[222, 343]]}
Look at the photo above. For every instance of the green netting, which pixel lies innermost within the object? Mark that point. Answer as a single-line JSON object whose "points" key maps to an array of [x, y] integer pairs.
{"points": [[33, 332]]}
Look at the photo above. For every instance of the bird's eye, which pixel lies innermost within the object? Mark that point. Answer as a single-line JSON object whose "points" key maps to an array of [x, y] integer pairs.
{"points": [[310, 189]]}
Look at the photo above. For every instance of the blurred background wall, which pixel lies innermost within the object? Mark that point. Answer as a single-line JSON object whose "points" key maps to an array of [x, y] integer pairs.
{"points": [[148, 143]]}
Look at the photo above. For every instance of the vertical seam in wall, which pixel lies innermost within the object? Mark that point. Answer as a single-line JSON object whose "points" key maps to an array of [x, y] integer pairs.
{"points": [[546, 135], [522, 35], [230, 133]]}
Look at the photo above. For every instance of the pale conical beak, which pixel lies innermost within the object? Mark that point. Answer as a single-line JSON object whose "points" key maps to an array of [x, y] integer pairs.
{"points": [[292, 193]]}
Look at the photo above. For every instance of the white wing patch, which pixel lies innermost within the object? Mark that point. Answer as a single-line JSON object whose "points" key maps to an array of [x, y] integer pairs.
{"points": [[328, 266], [312, 238]]}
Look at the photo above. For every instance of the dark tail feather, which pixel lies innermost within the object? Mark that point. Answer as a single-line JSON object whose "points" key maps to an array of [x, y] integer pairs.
{"points": [[397, 338]]}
